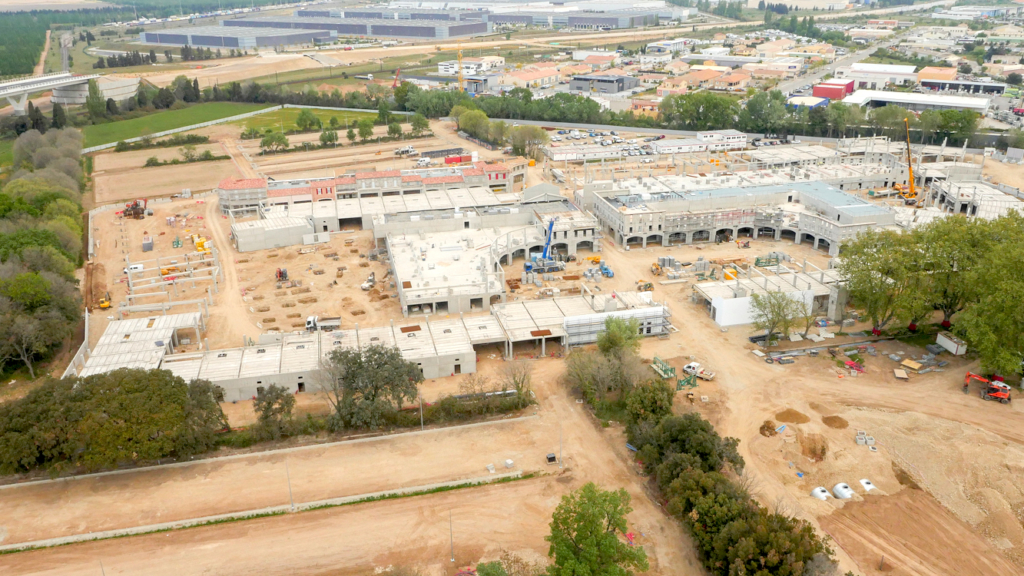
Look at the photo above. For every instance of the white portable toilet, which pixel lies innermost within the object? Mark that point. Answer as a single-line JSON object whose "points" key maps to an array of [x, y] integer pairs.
{"points": [[842, 491], [820, 493], [868, 486]]}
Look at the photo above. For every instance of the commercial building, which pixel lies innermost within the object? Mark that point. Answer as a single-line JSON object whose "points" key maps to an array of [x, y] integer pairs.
{"points": [[603, 84], [796, 193], [579, 20], [917, 102], [876, 76], [669, 46], [111, 86], [833, 89], [385, 13], [965, 86], [809, 102], [386, 28], [473, 66], [238, 36], [723, 139]]}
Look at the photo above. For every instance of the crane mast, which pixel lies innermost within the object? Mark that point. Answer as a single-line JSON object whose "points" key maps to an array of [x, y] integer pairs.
{"points": [[912, 192], [461, 88]]}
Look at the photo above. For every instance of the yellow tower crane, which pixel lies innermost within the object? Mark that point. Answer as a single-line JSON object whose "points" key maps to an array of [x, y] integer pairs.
{"points": [[910, 194], [462, 88]]}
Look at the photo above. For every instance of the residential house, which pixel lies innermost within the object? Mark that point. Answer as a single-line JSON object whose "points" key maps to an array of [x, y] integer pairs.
{"points": [[701, 78], [673, 85], [645, 106], [788, 67], [772, 49], [600, 62], [677, 67], [734, 82], [649, 80], [531, 78], [567, 72], [744, 50], [825, 52], [470, 65]]}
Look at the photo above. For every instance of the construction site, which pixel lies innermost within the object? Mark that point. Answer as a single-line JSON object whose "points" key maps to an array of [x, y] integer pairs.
{"points": [[485, 260]]}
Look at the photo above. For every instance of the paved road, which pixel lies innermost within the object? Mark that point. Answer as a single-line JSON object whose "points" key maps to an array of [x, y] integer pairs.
{"points": [[789, 86]]}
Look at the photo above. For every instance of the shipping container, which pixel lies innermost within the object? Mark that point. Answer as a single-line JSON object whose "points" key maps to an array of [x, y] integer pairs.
{"points": [[453, 159]]}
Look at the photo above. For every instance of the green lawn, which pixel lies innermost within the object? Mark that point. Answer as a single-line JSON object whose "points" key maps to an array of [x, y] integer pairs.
{"points": [[160, 121], [287, 117]]}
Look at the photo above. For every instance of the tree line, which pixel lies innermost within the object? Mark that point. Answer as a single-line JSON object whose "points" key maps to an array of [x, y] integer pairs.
{"points": [[134, 58], [40, 246], [524, 140], [968, 270], [695, 469]]}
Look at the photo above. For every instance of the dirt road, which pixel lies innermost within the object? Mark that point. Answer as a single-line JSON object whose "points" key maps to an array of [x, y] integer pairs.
{"points": [[41, 66]]}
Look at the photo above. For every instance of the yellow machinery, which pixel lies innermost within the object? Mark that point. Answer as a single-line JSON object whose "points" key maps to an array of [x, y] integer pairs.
{"points": [[462, 87], [594, 259], [729, 273], [105, 301], [642, 286], [168, 270], [656, 269], [200, 243], [910, 194]]}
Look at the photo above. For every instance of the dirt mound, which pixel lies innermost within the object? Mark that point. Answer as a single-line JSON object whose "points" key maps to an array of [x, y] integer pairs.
{"points": [[768, 429], [791, 416], [836, 422], [890, 526]]}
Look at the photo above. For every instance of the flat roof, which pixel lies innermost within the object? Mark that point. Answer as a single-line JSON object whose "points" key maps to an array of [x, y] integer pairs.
{"points": [[331, 21], [862, 97], [231, 31], [882, 68]]}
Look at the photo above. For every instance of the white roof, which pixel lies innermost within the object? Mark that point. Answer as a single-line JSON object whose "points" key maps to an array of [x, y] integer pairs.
{"points": [[862, 97], [882, 68]]}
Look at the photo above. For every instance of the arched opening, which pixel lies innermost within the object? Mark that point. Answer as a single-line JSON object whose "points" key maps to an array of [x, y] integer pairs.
{"points": [[503, 260], [807, 238], [746, 231], [677, 237], [723, 234], [585, 245], [824, 245], [766, 231], [702, 236], [559, 248], [654, 238], [788, 235], [634, 241], [520, 253]]}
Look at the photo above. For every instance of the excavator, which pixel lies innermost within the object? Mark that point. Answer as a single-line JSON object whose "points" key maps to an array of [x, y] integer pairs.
{"points": [[105, 301], [656, 269], [993, 390], [644, 286], [908, 194]]}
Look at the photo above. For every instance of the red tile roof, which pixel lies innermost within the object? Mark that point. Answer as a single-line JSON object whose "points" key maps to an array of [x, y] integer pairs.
{"points": [[384, 174], [496, 167], [288, 191], [443, 180], [345, 180], [412, 178], [473, 172], [236, 184]]}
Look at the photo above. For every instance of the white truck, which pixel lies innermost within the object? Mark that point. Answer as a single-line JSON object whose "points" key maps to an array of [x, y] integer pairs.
{"points": [[405, 150], [423, 162], [323, 324], [695, 369]]}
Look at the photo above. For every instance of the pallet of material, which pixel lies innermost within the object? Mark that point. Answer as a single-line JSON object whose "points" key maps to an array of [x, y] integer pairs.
{"points": [[911, 365], [571, 277], [900, 374]]}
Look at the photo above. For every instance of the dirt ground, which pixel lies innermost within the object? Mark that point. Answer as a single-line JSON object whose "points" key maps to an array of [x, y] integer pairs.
{"points": [[999, 173], [134, 182], [965, 455]]}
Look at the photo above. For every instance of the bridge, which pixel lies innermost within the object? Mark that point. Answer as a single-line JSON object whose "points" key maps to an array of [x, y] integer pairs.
{"points": [[16, 91]]}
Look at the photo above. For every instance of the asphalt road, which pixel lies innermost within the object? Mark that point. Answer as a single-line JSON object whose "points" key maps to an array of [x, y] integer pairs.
{"points": [[790, 85]]}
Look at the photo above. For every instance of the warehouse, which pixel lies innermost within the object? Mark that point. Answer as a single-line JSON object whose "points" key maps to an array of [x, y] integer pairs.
{"points": [[381, 13], [603, 84], [235, 36], [917, 102], [966, 86], [390, 28], [576, 19]]}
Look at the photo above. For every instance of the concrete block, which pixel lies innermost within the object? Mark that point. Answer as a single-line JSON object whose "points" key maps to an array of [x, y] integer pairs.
{"points": [[509, 463], [869, 440], [861, 440]]}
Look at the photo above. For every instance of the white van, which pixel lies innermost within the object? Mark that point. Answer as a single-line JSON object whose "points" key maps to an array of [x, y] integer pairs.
{"points": [[424, 162], [133, 268]]}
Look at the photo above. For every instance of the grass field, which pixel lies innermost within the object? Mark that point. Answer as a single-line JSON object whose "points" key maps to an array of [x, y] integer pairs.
{"points": [[160, 121], [6, 152], [286, 118]]}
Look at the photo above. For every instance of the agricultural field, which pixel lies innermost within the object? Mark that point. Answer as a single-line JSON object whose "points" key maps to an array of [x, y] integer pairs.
{"points": [[160, 121], [285, 118]]}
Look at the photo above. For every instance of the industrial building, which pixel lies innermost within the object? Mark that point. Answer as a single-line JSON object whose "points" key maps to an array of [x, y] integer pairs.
{"points": [[384, 13], [577, 19], [966, 86], [603, 84], [234, 36], [388, 28], [439, 347], [917, 102], [877, 76]]}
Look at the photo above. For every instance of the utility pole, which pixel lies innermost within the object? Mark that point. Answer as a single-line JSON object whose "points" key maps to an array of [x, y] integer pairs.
{"points": [[291, 500], [451, 535]]}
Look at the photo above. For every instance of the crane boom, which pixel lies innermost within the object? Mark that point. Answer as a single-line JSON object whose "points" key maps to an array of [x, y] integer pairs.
{"points": [[547, 243], [912, 192], [398, 74], [461, 88]]}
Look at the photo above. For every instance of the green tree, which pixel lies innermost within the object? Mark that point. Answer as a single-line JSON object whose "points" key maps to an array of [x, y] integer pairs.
{"points": [[250, 133], [365, 129], [584, 537], [402, 94], [333, 123], [838, 115], [365, 387], [395, 130], [419, 123], [351, 135], [928, 123], [274, 141], [328, 137], [94, 102], [474, 123], [273, 407], [620, 336], [60, 119], [699, 111], [306, 120], [384, 114], [528, 140], [1014, 78], [29, 290], [188, 152], [775, 312], [649, 402], [880, 271], [765, 112]]}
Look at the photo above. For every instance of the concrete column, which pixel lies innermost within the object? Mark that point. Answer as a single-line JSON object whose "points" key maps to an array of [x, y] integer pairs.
{"points": [[778, 234], [19, 104], [816, 240]]}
